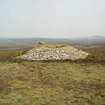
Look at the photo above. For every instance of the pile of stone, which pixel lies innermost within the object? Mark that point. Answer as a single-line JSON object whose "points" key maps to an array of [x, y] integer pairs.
{"points": [[44, 53]]}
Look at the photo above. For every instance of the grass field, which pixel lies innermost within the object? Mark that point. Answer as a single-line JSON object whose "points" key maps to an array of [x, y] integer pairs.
{"points": [[53, 82]]}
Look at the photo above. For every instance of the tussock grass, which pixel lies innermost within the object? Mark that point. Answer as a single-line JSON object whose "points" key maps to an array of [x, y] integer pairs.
{"points": [[53, 82]]}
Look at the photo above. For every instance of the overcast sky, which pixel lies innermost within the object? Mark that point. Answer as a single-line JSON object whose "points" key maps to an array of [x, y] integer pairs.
{"points": [[52, 18]]}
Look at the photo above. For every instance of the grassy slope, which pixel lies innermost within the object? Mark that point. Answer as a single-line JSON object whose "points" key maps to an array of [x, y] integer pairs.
{"points": [[54, 83]]}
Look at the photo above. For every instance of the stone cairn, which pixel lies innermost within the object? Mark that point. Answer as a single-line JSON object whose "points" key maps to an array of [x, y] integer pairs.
{"points": [[54, 54]]}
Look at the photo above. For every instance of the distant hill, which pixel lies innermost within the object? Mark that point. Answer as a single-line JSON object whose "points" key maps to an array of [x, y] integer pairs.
{"points": [[93, 41]]}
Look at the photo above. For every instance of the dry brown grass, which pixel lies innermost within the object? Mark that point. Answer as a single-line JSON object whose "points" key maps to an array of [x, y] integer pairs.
{"points": [[53, 82]]}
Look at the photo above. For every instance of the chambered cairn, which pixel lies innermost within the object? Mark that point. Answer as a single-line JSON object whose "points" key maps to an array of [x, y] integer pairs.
{"points": [[54, 52]]}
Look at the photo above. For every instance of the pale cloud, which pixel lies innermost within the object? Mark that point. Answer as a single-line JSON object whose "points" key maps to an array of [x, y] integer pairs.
{"points": [[52, 18]]}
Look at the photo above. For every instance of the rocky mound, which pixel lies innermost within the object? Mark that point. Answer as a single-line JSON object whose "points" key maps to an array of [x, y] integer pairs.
{"points": [[54, 52]]}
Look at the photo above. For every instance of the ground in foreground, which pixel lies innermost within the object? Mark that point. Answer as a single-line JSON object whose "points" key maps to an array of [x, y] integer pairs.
{"points": [[52, 83]]}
